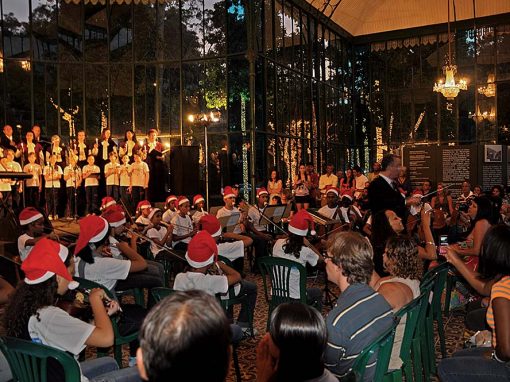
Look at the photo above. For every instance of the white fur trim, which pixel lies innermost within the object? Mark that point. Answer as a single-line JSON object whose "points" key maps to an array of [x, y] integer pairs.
{"points": [[118, 224], [101, 234], [196, 264], [299, 232], [31, 220], [183, 201], [228, 196], [63, 253]]}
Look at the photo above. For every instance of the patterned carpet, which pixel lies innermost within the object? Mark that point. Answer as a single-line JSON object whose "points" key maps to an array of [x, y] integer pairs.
{"points": [[454, 329]]}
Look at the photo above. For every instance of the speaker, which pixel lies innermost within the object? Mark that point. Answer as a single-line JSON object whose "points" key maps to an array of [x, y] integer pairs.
{"points": [[184, 170]]}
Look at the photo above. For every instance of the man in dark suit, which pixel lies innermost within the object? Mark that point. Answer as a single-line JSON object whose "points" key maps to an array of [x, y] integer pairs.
{"points": [[7, 139], [383, 192]]}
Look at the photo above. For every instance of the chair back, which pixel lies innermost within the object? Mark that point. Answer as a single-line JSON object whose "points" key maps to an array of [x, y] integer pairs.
{"points": [[278, 270], [29, 361], [380, 350], [159, 293]]}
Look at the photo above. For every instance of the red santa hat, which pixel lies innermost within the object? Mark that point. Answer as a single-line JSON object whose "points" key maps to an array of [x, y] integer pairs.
{"points": [[228, 193], [417, 192], [153, 212], [181, 200], [142, 205], [301, 223], [347, 194], [198, 198], [114, 216], [92, 229], [202, 250], [332, 189], [29, 215], [211, 224], [107, 201], [261, 191], [45, 260], [170, 199]]}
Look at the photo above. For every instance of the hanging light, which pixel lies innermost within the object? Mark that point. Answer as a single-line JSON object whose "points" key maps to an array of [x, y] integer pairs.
{"points": [[1, 63], [490, 89], [25, 65], [449, 87]]}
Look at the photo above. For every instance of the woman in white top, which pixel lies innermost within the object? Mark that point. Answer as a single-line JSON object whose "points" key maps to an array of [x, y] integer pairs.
{"points": [[274, 184], [402, 262], [293, 248]]}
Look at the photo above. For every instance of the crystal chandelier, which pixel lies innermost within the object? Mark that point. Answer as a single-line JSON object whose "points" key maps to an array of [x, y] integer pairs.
{"points": [[490, 89], [448, 87]]}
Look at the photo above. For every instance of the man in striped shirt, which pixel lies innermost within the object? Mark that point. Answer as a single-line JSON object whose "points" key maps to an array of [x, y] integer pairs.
{"points": [[361, 315]]}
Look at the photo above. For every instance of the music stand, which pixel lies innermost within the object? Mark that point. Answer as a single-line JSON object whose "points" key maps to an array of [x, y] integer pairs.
{"points": [[274, 213], [228, 223]]}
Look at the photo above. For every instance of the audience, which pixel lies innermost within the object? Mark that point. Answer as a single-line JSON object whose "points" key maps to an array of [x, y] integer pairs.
{"points": [[293, 348], [185, 337]]}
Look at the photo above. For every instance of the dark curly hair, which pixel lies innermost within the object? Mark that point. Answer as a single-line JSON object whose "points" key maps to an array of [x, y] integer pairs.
{"points": [[403, 252], [25, 302], [293, 245]]}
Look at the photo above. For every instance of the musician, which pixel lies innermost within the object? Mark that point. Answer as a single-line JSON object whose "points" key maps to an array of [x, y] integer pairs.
{"points": [[293, 248], [106, 145], [255, 224], [7, 139], [112, 172], [170, 210], [198, 203], [125, 182], [143, 210], [16, 187], [58, 149], [81, 148], [32, 224], [160, 236], [73, 178], [129, 145], [184, 229], [94, 262], [31, 146], [39, 138], [5, 185], [106, 202], [90, 173], [229, 209], [327, 179], [232, 250], [154, 152], [52, 174], [330, 210], [139, 179], [33, 186]]}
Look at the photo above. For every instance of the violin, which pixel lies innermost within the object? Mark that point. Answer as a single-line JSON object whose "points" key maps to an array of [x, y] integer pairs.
{"points": [[73, 302]]}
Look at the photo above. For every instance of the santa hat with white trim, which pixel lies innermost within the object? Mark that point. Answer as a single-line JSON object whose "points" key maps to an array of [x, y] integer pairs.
{"points": [[142, 205], [202, 250], [197, 199], [107, 201], [92, 229], [262, 191], [332, 189], [170, 199], [347, 194], [153, 212], [211, 224], [228, 193], [46, 259], [181, 200], [29, 215], [301, 223], [114, 216]]}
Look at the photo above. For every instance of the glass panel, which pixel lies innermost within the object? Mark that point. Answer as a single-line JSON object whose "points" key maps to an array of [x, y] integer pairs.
{"points": [[145, 25], [96, 33], [71, 96], [215, 24], [171, 42], [44, 29], [238, 95], [121, 33], [193, 28], [170, 107], [96, 101], [70, 41], [268, 25], [18, 110], [16, 28], [503, 59], [236, 26], [121, 108]]}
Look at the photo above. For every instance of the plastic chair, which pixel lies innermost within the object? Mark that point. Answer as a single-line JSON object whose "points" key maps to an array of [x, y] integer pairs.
{"points": [[29, 361], [160, 293], [137, 293], [119, 339], [278, 270], [380, 349]]}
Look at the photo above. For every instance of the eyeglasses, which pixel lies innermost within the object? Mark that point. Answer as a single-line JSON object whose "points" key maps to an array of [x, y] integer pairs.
{"points": [[327, 256]]}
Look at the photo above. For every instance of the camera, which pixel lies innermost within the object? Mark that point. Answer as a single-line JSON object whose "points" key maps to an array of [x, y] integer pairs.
{"points": [[464, 206]]}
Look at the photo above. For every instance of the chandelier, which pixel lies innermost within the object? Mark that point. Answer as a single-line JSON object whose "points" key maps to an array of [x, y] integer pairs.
{"points": [[448, 87], [490, 89]]}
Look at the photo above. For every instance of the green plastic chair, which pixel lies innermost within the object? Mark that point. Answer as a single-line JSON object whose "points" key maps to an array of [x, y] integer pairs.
{"points": [[137, 293], [412, 331], [29, 361], [381, 349], [160, 293], [278, 271], [119, 339]]}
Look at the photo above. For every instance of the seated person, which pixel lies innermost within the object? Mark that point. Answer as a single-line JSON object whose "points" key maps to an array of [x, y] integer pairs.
{"points": [[359, 309], [183, 329], [183, 228], [198, 203], [229, 197], [32, 222], [257, 226], [31, 315], [331, 209], [106, 202], [143, 209], [293, 348], [202, 255], [293, 248], [160, 236], [170, 210]]}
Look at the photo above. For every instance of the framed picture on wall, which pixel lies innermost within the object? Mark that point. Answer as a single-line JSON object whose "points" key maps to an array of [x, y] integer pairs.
{"points": [[493, 153]]}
